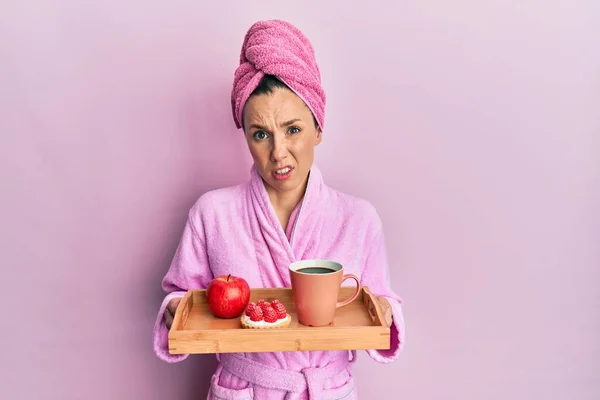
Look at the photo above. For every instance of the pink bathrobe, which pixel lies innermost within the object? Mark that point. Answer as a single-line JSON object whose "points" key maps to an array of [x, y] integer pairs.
{"points": [[235, 231]]}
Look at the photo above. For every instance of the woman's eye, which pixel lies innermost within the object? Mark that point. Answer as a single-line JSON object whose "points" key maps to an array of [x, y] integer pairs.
{"points": [[293, 130], [260, 135]]}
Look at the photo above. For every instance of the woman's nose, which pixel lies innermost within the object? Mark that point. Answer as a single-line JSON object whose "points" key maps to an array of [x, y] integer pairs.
{"points": [[279, 151]]}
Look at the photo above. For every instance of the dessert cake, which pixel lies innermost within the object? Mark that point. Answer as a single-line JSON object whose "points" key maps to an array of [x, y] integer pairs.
{"points": [[265, 315]]}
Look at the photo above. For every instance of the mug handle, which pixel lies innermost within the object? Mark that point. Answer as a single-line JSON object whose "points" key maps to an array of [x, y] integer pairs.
{"points": [[354, 296]]}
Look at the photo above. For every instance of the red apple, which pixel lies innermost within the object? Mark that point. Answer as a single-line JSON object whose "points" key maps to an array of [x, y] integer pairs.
{"points": [[227, 296]]}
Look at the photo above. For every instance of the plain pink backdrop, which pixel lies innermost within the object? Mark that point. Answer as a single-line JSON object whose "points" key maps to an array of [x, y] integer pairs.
{"points": [[473, 127]]}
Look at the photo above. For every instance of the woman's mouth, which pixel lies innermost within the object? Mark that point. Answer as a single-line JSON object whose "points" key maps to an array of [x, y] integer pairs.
{"points": [[283, 173]]}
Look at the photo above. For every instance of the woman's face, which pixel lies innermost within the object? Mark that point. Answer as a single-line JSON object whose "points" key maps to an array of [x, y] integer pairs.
{"points": [[281, 136]]}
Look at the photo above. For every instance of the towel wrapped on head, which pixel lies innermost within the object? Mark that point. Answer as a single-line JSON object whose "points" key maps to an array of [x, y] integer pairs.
{"points": [[278, 48]]}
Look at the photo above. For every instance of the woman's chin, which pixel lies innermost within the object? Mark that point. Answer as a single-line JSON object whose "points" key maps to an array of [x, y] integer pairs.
{"points": [[281, 186]]}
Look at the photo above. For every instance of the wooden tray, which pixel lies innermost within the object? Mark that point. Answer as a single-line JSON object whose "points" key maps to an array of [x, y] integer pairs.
{"points": [[362, 324]]}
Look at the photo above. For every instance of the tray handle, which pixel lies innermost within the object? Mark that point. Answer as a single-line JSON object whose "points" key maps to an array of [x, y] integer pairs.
{"points": [[379, 308], [182, 312]]}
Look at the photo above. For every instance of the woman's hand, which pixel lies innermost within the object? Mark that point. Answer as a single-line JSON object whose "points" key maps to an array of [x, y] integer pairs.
{"points": [[170, 311]]}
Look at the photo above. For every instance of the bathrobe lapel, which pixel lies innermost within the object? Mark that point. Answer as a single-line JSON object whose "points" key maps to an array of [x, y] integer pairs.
{"points": [[272, 245]]}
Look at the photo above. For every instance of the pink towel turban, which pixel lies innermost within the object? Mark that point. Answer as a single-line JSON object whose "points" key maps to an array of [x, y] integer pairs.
{"points": [[278, 48]]}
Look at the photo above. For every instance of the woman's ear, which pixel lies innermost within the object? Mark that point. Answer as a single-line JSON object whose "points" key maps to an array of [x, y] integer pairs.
{"points": [[319, 136]]}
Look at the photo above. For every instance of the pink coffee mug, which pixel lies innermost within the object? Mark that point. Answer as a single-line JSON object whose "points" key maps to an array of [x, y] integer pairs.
{"points": [[316, 287]]}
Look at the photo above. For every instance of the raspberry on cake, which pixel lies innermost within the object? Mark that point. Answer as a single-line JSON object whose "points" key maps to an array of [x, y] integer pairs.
{"points": [[255, 314], [249, 307], [264, 306], [269, 314], [265, 315], [279, 309]]}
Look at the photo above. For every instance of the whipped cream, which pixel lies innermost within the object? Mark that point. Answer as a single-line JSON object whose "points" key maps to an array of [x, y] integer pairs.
{"points": [[262, 322]]}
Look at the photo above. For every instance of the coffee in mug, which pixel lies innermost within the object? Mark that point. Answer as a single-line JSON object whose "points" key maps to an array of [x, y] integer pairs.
{"points": [[315, 289]]}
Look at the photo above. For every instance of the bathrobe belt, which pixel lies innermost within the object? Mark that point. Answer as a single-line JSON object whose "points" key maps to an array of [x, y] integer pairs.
{"points": [[311, 379]]}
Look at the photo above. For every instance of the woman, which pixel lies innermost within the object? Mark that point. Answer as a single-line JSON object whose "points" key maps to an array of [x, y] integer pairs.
{"points": [[284, 213]]}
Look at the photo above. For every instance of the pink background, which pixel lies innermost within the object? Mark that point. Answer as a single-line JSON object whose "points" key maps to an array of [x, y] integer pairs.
{"points": [[474, 127]]}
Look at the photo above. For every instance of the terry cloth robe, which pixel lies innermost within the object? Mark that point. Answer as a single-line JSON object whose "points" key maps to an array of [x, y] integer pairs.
{"points": [[235, 230]]}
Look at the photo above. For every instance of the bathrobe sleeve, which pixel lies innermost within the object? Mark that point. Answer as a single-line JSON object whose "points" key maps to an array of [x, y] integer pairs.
{"points": [[188, 270], [375, 276]]}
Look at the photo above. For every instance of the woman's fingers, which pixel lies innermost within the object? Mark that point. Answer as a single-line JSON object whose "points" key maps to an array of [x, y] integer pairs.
{"points": [[172, 306], [168, 318], [170, 311]]}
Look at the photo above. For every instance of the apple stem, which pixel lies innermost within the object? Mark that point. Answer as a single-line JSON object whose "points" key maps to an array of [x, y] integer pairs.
{"points": [[228, 277]]}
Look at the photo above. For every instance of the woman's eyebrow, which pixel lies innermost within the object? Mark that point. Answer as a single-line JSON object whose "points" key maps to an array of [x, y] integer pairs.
{"points": [[291, 121], [257, 126], [286, 123]]}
